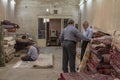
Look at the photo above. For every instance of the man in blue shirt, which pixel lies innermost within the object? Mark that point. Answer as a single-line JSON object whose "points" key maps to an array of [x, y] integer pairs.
{"points": [[69, 38], [88, 32], [32, 54]]}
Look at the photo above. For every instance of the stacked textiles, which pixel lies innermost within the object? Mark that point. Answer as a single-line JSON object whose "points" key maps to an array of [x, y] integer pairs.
{"points": [[104, 69], [9, 43], [99, 34], [98, 76], [100, 55], [84, 76], [115, 63], [9, 25], [9, 54], [102, 45], [75, 76]]}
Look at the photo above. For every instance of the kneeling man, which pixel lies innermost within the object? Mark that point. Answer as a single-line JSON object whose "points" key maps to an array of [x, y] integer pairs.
{"points": [[32, 54]]}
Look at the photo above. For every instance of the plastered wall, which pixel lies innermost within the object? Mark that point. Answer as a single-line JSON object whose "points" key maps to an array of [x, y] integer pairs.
{"points": [[2, 14], [27, 12], [7, 10], [103, 14]]}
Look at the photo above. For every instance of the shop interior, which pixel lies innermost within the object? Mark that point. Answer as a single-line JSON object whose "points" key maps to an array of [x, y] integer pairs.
{"points": [[39, 23]]}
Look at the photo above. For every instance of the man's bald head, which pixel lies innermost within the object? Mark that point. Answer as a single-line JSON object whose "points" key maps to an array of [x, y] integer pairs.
{"points": [[85, 24]]}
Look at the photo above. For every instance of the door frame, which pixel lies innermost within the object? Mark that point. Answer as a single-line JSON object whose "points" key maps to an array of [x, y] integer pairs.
{"points": [[42, 42]]}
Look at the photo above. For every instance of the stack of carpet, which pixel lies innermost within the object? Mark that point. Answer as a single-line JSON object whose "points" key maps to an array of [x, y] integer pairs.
{"points": [[9, 25], [74, 76], [98, 34], [100, 55], [115, 62], [9, 43], [84, 76]]}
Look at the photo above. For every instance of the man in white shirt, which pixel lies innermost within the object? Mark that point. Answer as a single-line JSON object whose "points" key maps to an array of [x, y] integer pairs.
{"points": [[88, 32]]}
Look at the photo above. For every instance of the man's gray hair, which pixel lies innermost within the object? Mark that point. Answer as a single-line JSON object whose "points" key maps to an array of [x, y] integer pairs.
{"points": [[70, 21]]}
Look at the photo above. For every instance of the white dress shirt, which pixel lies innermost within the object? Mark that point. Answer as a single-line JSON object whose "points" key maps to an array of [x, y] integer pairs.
{"points": [[88, 32]]}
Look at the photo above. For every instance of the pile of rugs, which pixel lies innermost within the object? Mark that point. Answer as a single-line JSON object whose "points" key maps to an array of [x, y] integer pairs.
{"points": [[9, 50], [9, 25], [105, 59], [100, 55], [115, 62], [99, 34], [84, 76]]}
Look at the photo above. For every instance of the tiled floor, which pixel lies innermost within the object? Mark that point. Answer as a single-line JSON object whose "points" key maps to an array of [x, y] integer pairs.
{"points": [[8, 73]]}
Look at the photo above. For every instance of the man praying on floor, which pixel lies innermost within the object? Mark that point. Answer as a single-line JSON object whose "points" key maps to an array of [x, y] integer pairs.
{"points": [[32, 54]]}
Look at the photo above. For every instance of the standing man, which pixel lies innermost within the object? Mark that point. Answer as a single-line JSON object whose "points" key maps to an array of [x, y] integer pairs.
{"points": [[69, 38], [88, 32]]}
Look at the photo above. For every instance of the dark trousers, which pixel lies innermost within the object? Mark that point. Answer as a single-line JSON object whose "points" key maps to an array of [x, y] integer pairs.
{"points": [[26, 58], [83, 48], [69, 55]]}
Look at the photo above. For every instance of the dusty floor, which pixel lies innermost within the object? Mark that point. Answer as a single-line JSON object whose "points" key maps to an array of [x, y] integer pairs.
{"points": [[8, 73]]}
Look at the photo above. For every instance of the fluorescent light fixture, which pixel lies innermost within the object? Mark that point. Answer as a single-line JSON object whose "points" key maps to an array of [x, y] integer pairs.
{"points": [[47, 20], [47, 10], [82, 2], [44, 20], [13, 2], [5, 1]]}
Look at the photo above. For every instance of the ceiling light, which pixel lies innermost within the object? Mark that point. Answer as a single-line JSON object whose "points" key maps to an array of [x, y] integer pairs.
{"points": [[47, 10], [13, 2]]}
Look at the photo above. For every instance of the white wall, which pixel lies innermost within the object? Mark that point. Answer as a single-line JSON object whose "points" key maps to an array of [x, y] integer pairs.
{"points": [[103, 14], [27, 12], [2, 9], [6, 10]]}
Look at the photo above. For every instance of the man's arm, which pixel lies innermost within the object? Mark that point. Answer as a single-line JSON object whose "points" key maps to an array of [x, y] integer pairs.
{"points": [[80, 36], [29, 52]]}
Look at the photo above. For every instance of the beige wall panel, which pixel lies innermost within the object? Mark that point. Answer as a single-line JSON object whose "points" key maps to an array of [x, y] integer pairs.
{"points": [[104, 14]]}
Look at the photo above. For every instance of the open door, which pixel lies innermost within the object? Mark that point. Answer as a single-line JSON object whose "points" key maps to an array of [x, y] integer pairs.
{"points": [[41, 32], [49, 30]]}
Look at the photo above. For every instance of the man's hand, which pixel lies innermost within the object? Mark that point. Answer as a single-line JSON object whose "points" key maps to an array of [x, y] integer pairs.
{"points": [[26, 56]]}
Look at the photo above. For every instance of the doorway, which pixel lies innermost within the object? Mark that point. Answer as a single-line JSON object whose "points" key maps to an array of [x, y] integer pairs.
{"points": [[53, 32], [49, 31]]}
